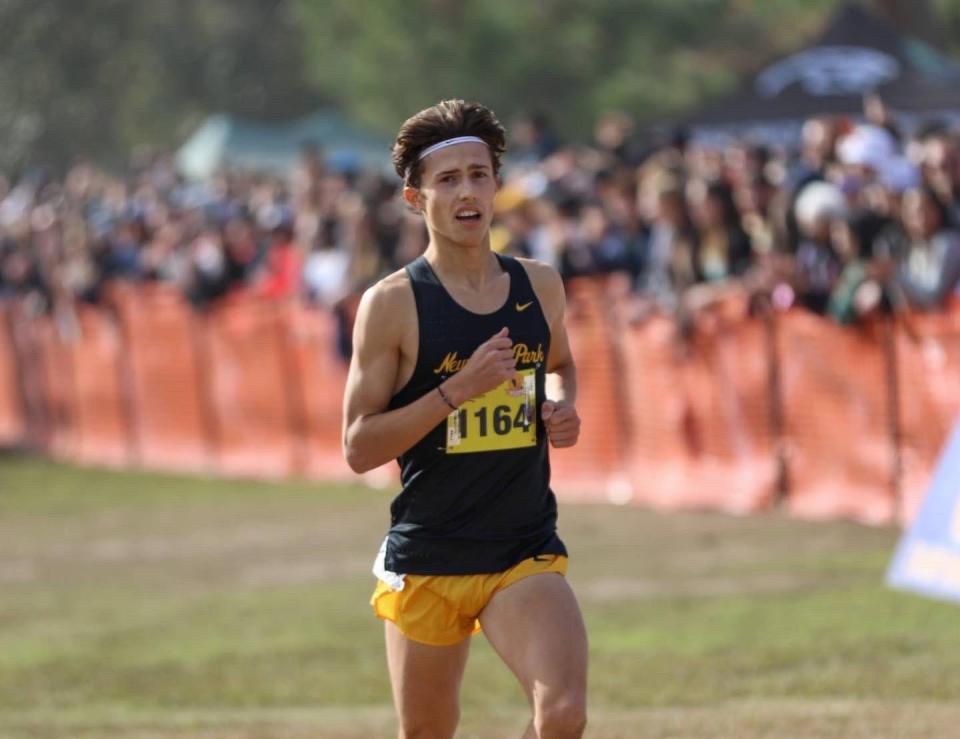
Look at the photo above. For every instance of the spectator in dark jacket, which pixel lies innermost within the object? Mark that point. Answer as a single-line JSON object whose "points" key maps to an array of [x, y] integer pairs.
{"points": [[929, 269], [723, 249], [856, 292]]}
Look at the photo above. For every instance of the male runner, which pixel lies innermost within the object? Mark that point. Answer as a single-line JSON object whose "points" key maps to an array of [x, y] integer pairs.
{"points": [[450, 357]]}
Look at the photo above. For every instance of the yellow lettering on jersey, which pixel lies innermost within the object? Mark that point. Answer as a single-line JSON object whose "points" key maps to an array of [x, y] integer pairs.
{"points": [[450, 364], [524, 355], [503, 418]]}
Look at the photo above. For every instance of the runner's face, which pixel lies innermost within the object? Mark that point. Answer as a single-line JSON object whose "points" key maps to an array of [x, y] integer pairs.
{"points": [[456, 192]]}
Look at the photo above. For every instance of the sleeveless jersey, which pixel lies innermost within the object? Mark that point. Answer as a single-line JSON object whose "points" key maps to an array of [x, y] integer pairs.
{"points": [[476, 492]]}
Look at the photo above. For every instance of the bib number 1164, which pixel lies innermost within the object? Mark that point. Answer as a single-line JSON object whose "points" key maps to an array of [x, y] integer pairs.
{"points": [[504, 418]]}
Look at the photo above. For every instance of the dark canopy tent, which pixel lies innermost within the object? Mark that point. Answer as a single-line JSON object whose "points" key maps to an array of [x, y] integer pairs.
{"points": [[857, 54]]}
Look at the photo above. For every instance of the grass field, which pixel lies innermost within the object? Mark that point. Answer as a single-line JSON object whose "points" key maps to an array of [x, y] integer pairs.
{"points": [[135, 605]]}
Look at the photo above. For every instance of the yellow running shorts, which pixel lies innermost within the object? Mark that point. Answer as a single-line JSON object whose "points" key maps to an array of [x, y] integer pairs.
{"points": [[443, 609]]}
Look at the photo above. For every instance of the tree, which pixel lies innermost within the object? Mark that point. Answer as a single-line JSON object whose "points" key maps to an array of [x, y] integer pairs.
{"points": [[385, 59], [96, 78]]}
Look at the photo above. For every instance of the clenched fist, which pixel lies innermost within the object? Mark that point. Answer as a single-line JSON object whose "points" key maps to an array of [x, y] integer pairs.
{"points": [[562, 422], [489, 366]]}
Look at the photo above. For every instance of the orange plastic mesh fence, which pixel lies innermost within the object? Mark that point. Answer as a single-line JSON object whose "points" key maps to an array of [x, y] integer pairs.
{"points": [[837, 420], [320, 376], [172, 423], [101, 406], [596, 467], [256, 388], [13, 426], [928, 386], [251, 390], [700, 413]]}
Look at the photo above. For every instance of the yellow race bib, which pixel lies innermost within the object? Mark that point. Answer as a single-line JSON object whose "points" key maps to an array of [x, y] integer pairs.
{"points": [[503, 418]]}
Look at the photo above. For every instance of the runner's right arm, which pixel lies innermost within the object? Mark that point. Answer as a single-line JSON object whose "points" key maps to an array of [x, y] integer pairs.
{"points": [[372, 435]]}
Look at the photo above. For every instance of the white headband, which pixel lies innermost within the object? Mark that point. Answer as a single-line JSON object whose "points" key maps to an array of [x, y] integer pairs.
{"points": [[449, 142]]}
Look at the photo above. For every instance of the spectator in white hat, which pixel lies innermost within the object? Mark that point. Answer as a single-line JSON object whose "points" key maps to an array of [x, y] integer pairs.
{"points": [[816, 263]]}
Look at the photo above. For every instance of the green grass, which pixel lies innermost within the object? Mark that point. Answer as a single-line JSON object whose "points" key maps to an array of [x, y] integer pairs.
{"points": [[140, 605]]}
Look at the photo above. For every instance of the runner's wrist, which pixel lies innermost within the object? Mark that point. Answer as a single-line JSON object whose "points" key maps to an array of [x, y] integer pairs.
{"points": [[454, 392], [446, 398]]}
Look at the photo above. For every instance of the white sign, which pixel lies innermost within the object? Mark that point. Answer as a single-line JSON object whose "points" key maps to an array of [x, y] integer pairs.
{"points": [[830, 70], [927, 560]]}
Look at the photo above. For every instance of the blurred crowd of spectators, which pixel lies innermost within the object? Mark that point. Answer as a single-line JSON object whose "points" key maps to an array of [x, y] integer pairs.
{"points": [[858, 217]]}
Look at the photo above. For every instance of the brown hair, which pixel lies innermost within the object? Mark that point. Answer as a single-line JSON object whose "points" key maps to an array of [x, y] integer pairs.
{"points": [[445, 120]]}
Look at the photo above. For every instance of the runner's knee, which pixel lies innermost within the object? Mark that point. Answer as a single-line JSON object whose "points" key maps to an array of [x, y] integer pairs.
{"points": [[563, 717]]}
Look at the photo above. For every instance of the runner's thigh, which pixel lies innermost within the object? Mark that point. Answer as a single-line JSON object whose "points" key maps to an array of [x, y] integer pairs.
{"points": [[425, 678], [536, 627]]}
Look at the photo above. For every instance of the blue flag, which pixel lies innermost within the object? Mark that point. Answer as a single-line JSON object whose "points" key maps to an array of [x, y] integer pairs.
{"points": [[927, 560]]}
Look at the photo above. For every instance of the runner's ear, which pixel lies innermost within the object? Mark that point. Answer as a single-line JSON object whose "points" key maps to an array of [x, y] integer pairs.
{"points": [[412, 197]]}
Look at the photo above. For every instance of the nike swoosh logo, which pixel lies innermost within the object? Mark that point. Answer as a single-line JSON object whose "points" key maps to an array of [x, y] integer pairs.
{"points": [[524, 306]]}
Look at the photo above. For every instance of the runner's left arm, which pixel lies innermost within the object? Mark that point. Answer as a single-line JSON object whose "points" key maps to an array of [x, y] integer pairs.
{"points": [[559, 413]]}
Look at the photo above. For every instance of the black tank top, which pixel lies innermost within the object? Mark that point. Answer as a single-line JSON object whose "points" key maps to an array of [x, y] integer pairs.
{"points": [[476, 492]]}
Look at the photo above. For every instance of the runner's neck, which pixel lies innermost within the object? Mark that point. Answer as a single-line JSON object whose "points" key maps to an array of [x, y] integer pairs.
{"points": [[473, 267]]}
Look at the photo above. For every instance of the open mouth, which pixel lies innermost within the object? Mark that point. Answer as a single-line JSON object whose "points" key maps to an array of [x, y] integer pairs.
{"points": [[468, 216]]}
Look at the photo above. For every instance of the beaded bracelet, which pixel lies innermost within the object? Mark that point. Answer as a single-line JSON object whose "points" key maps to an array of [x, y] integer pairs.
{"points": [[445, 398]]}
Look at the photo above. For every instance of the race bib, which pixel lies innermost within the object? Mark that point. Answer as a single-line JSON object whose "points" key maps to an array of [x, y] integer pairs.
{"points": [[503, 418]]}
